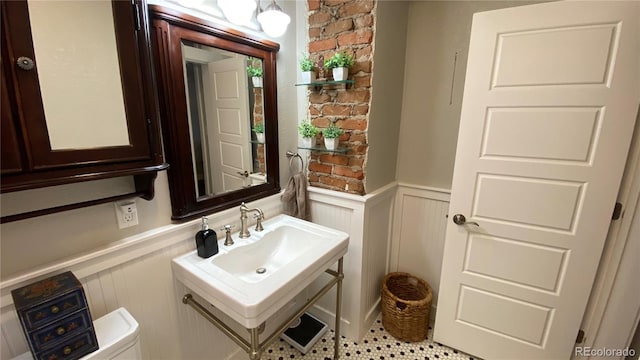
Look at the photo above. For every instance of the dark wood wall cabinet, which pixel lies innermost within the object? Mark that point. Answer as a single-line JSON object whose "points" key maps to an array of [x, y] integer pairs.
{"points": [[29, 157]]}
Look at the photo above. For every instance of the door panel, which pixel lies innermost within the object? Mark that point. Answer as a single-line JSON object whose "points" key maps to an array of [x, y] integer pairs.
{"points": [[231, 129], [522, 200], [519, 62], [549, 106], [531, 323], [520, 267], [539, 133]]}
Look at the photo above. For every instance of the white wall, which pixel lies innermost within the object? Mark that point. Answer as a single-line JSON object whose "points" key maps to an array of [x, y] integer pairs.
{"points": [[436, 32], [386, 93], [33, 242]]}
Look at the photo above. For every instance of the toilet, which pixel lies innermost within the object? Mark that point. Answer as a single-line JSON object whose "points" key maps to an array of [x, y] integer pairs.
{"points": [[118, 338]]}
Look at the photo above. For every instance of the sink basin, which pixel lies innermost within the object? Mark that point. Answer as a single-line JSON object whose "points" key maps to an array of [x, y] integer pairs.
{"points": [[254, 278], [257, 261]]}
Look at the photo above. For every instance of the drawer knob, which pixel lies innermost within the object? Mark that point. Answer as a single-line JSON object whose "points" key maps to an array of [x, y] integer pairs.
{"points": [[60, 331], [55, 309], [66, 350]]}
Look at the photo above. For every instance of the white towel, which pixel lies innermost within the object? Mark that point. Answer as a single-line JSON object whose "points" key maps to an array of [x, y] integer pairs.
{"points": [[295, 196]]}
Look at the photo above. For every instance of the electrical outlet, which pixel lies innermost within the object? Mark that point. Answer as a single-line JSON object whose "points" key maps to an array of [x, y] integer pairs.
{"points": [[127, 213]]}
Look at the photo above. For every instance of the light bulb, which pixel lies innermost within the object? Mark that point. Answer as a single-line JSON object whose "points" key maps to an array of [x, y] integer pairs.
{"points": [[273, 20], [238, 12]]}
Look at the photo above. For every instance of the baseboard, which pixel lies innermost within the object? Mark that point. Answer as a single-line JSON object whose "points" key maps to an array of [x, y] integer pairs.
{"points": [[371, 315], [432, 314]]}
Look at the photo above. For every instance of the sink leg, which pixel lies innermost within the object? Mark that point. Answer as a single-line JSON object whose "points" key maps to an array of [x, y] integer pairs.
{"points": [[255, 352], [336, 342]]}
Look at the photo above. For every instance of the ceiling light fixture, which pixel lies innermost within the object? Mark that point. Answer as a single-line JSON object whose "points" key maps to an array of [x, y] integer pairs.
{"points": [[238, 12], [273, 20]]}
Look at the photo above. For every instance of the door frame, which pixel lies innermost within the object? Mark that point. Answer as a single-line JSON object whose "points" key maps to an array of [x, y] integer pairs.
{"points": [[200, 57], [617, 239]]}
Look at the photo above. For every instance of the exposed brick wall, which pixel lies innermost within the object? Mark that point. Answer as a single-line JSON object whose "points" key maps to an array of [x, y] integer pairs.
{"points": [[258, 118], [336, 26]]}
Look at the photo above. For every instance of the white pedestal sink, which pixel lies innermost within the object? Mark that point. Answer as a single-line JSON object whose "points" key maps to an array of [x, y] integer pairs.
{"points": [[254, 278]]}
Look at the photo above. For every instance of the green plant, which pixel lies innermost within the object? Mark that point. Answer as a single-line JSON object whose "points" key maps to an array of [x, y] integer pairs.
{"points": [[307, 129], [306, 64], [339, 60], [254, 71], [258, 128], [332, 132]]}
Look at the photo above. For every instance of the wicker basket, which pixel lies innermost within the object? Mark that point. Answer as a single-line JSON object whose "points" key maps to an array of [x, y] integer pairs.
{"points": [[406, 301]]}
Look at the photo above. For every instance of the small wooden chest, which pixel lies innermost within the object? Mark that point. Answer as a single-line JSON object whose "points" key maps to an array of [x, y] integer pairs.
{"points": [[55, 318]]}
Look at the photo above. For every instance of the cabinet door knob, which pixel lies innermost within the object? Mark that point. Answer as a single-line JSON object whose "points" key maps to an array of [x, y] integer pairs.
{"points": [[55, 309], [60, 331], [25, 63], [67, 350]]}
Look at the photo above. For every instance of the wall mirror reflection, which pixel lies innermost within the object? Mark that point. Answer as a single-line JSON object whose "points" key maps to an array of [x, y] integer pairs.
{"points": [[217, 91], [226, 119]]}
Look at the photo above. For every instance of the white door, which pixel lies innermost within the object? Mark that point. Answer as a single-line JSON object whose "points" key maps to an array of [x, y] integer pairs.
{"points": [[229, 119], [548, 112]]}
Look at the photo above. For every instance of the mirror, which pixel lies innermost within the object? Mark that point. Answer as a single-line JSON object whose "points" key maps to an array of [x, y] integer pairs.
{"points": [[217, 91], [98, 120], [226, 121]]}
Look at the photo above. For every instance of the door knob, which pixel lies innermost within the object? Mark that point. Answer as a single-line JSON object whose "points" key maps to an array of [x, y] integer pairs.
{"points": [[460, 219], [245, 173]]}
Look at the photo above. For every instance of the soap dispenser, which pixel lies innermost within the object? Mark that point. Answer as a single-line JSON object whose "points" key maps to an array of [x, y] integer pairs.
{"points": [[206, 240]]}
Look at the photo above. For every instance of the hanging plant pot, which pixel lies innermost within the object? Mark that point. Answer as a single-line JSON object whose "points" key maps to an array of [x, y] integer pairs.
{"points": [[340, 73], [331, 144], [260, 137], [308, 142], [257, 81], [308, 77]]}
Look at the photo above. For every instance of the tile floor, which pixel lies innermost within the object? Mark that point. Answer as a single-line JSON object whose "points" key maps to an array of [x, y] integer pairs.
{"points": [[376, 345]]}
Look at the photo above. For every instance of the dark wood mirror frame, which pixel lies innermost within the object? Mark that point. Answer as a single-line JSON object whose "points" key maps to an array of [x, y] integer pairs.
{"points": [[168, 28]]}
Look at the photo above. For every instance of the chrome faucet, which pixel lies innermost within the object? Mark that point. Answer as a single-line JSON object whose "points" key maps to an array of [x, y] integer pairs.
{"points": [[244, 210]]}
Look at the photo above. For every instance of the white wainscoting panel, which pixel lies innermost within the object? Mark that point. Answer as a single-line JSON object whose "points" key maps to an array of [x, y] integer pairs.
{"points": [[419, 229], [367, 220], [377, 237]]}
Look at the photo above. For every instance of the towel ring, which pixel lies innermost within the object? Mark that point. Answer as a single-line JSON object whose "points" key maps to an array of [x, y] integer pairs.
{"points": [[291, 155]]}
